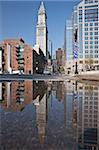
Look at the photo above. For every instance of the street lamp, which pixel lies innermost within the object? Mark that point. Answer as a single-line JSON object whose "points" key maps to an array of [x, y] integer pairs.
{"points": [[51, 50]]}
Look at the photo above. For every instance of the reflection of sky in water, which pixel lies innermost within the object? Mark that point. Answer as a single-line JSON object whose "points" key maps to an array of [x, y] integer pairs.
{"points": [[49, 115]]}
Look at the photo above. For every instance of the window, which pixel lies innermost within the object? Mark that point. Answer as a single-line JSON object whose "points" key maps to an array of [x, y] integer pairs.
{"points": [[91, 51], [86, 33], [91, 6], [86, 38], [86, 29], [91, 46], [96, 56], [96, 62], [96, 33], [96, 42], [91, 33], [88, 1], [96, 24], [80, 7], [86, 24], [96, 28], [86, 56], [91, 38], [86, 42], [91, 24], [91, 42], [96, 37], [86, 47], [81, 62], [91, 56], [80, 12], [96, 1], [96, 51], [91, 29], [96, 46], [86, 51]]}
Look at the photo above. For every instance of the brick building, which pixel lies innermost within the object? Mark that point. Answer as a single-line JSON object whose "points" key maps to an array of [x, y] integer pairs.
{"points": [[28, 59], [18, 56], [61, 59]]}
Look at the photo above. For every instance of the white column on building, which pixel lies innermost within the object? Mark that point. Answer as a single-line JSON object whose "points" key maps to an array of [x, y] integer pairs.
{"points": [[0, 60], [8, 94], [41, 30], [9, 69], [1, 91]]}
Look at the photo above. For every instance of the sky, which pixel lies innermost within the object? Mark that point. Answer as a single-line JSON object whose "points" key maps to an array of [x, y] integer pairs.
{"points": [[18, 19]]}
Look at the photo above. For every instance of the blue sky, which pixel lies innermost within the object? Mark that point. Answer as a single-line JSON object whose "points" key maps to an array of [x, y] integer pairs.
{"points": [[18, 19]]}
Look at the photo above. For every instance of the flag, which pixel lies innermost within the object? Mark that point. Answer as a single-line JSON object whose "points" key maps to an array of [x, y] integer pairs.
{"points": [[75, 50]]}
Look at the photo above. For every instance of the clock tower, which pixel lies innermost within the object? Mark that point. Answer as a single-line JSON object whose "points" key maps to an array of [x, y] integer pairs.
{"points": [[41, 30]]}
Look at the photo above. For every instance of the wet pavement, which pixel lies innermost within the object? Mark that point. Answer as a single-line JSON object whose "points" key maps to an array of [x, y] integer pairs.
{"points": [[51, 115]]}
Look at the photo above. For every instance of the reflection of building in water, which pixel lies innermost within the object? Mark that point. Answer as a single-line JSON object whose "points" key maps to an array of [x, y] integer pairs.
{"points": [[60, 93], [41, 114], [14, 96], [69, 114], [54, 88], [40, 101], [81, 115], [0, 91], [11, 100], [88, 120], [28, 91], [68, 105]]}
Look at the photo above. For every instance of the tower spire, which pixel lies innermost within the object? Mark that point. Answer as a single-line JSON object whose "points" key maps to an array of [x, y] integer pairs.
{"points": [[41, 9], [41, 29]]}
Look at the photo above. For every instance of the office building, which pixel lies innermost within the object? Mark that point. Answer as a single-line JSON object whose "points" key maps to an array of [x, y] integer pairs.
{"points": [[69, 47], [88, 34]]}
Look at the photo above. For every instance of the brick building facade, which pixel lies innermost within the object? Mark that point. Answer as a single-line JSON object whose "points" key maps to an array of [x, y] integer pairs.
{"points": [[28, 59], [61, 59], [18, 56]]}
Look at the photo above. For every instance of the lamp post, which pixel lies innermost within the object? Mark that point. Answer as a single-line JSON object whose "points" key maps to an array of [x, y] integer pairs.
{"points": [[51, 50]]}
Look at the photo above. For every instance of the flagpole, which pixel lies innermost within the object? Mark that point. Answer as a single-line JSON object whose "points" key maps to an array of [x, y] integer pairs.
{"points": [[76, 52], [76, 67], [76, 56]]}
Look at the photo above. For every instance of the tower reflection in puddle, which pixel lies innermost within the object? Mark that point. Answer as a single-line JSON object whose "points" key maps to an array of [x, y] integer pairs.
{"points": [[40, 101], [79, 108]]}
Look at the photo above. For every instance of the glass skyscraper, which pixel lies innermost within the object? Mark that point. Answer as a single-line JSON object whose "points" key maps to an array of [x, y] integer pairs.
{"points": [[69, 40], [69, 46], [88, 34]]}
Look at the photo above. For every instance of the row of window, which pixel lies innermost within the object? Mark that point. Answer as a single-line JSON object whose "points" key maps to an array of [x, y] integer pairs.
{"points": [[89, 18], [91, 56], [90, 1], [92, 24], [91, 37], [91, 42], [91, 33], [91, 29], [91, 11], [91, 47], [91, 51]]}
